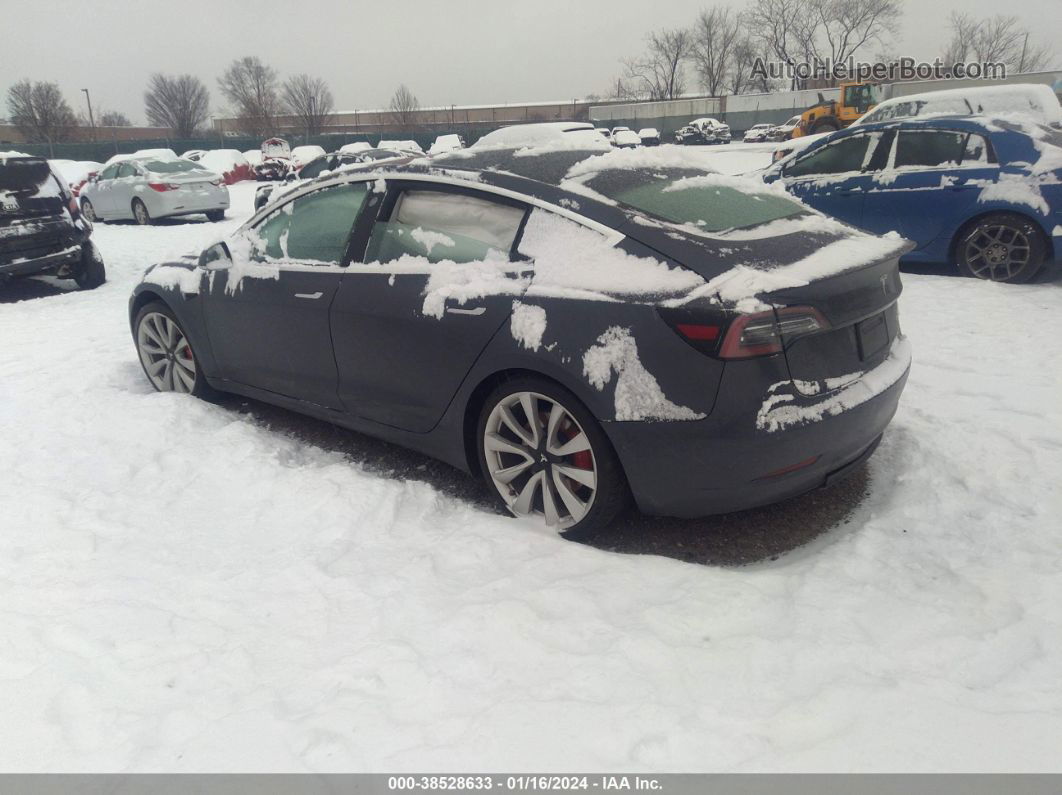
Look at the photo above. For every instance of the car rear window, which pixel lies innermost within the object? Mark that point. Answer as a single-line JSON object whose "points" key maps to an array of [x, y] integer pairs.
{"points": [[712, 207], [27, 186], [171, 166]]}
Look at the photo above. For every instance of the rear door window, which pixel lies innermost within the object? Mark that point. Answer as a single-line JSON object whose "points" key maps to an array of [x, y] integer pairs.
{"points": [[938, 149], [127, 170], [442, 225], [314, 228], [849, 154], [110, 172]]}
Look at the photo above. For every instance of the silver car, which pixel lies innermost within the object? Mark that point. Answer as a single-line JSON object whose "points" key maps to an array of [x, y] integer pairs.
{"points": [[143, 189]]}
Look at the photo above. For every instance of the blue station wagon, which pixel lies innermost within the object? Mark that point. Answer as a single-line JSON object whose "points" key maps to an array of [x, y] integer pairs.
{"points": [[983, 193]]}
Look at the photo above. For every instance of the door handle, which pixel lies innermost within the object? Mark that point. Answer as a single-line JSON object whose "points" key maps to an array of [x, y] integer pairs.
{"points": [[479, 310], [311, 296]]}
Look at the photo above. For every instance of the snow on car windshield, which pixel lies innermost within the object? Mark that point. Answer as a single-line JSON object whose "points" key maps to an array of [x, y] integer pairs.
{"points": [[712, 202]]}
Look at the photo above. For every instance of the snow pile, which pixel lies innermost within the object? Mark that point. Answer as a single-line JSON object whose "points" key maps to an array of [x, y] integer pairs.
{"points": [[462, 282], [187, 280], [780, 411], [428, 238], [528, 324], [638, 394], [355, 147], [543, 137], [741, 284], [1037, 102], [574, 261], [1014, 189]]}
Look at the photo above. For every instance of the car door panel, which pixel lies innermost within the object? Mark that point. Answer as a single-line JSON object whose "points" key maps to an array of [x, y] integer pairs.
{"points": [[268, 316], [402, 347]]}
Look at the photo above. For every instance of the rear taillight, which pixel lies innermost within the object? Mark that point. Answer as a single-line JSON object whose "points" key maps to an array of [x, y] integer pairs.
{"points": [[729, 336], [162, 187], [763, 333]]}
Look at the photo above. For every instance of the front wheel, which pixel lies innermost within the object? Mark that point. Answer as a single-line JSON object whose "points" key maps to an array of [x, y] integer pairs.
{"points": [[544, 456], [1001, 247], [165, 352], [140, 213]]}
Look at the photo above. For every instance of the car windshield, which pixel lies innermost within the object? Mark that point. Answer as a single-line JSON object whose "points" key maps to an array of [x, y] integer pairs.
{"points": [[711, 206], [171, 166]]}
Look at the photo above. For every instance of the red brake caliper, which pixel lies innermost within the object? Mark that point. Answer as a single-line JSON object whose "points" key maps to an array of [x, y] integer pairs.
{"points": [[583, 459]]}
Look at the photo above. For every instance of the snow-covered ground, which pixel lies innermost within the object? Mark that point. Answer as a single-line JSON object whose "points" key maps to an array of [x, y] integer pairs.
{"points": [[183, 589]]}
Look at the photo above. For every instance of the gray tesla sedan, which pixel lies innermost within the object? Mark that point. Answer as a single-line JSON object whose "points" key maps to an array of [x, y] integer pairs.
{"points": [[576, 328]]}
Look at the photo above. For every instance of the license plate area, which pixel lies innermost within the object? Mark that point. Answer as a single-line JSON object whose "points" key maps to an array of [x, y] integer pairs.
{"points": [[872, 335]]}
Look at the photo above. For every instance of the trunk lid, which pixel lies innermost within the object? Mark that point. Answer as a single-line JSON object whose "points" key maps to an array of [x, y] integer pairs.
{"points": [[861, 311]]}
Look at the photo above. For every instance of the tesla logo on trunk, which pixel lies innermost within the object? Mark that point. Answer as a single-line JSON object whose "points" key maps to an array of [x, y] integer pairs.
{"points": [[885, 284]]}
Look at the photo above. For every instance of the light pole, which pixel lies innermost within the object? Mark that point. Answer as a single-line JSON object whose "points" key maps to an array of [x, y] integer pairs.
{"points": [[92, 122]]}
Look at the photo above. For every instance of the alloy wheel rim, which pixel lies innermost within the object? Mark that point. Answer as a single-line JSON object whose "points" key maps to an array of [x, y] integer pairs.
{"points": [[165, 353], [140, 212], [997, 252], [89, 211], [540, 459]]}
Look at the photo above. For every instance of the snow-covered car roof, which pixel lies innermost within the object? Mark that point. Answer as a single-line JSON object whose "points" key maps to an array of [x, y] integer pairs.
{"points": [[1035, 101], [400, 145], [356, 146], [595, 188], [568, 133], [625, 136], [648, 132]]}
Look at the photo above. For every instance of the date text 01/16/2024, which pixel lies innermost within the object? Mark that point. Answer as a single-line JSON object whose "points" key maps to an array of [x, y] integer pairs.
{"points": [[522, 783]]}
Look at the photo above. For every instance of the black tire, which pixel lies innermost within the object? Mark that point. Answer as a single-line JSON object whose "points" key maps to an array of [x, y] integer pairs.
{"points": [[215, 215], [828, 124], [89, 212], [140, 213], [91, 272], [1001, 247], [612, 495], [200, 389]]}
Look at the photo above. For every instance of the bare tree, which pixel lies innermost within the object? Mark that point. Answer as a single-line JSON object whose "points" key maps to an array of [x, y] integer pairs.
{"points": [[404, 107], [40, 112], [740, 78], [114, 118], [180, 102], [846, 26], [251, 87], [999, 39], [716, 33], [658, 73], [309, 100], [819, 30]]}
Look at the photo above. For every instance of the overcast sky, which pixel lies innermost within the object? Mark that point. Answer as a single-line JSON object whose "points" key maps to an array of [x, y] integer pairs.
{"points": [[446, 51]]}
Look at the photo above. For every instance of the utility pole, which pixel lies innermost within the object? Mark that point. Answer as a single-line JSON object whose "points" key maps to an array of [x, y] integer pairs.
{"points": [[92, 122], [1025, 44], [313, 116]]}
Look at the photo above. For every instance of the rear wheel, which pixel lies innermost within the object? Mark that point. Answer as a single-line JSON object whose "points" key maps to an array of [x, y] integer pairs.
{"points": [[140, 213], [89, 212], [215, 215], [544, 456], [90, 273], [1001, 247], [166, 354]]}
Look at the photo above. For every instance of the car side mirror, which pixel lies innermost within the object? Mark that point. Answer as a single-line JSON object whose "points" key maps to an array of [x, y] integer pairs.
{"points": [[217, 257]]}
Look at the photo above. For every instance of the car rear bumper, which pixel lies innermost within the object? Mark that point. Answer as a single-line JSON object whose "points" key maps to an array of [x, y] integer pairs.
{"points": [[44, 263], [715, 465], [185, 202]]}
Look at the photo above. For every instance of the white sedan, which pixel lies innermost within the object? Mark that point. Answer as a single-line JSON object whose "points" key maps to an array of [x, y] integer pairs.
{"points": [[143, 189]]}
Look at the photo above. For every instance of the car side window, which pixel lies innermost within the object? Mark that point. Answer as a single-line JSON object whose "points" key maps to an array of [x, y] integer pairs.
{"points": [[126, 170], [442, 225], [315, 167], [110, 172], [313, 228], [848, 154], [928, 148]]}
